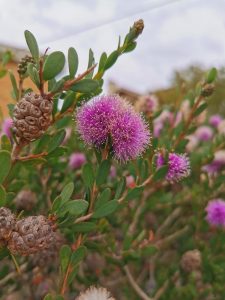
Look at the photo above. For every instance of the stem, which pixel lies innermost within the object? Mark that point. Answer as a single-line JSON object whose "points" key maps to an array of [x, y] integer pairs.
{"points": [[32, 156], [172, 237], [15, 263], [71, 82], [41, 88], [168, 221], [135, 286], [83, 218], [189, 120]]}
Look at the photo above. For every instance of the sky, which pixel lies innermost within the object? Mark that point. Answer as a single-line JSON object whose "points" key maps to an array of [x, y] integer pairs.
{"points": [[177, 33]]}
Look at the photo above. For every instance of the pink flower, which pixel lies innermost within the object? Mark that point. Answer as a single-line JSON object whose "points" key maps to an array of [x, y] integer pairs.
{"points": [[6, 127], [204, 133], [110, 119], [216, 212], [178, 166], [76, 160], [215, 120]]}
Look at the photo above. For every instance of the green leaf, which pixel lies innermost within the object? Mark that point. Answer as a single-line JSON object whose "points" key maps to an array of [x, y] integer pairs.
{"points": [[5, 143], [57, 203], [75, 207], [103, 172], [5, 163], [33, 73], [2, 196], [88, 175], [32, 44], [58, 85], [83, 227], [73, 61], [91, 61], [134, 193], [106, 209], [160, 173], [130, 47], [67, 192], [56, 140], [68, 101], [53, 65], [120, 188], [85, 86], [48, 297], [103, 198], [77, 256], [149, 250], [200, 109], [65, 254], [111, 59], [14, 85], [102, 62], [211, 76]]}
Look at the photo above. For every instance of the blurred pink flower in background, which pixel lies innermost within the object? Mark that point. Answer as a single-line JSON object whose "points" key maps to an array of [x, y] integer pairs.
{"points": [[112, 172], [193, 142], [6, 127], [76, 160], [215, 120], [216, 212], [130, 181], [204, 133]]}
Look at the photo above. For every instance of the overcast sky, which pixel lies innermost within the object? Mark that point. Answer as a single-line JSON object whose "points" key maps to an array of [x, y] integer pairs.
{"points": [[177, 33]]}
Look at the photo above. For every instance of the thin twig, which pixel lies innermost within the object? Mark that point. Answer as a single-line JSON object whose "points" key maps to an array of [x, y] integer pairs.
{"points": [[168, 221], [135, 286]]}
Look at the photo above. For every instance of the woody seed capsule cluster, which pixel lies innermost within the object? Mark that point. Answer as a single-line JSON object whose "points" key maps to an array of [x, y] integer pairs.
{"points": [[26, 236], [32, 116], [7, 223], [25, 200], [31, 235], [22, 66]]}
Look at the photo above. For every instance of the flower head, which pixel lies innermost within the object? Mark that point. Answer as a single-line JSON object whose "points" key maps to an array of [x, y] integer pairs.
{"points": [[110, 118], [6, 127], [204, 133], [94, 293], [178, 166], [77, 160], [215, 120], [216, 212]]}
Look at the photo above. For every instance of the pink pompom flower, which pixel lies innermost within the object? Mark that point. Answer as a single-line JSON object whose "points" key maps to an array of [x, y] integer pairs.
{"points": [[76, 160], [6, 127], [216, 212], [215, 120], [111, 119], [204, 133], [178, 166]]}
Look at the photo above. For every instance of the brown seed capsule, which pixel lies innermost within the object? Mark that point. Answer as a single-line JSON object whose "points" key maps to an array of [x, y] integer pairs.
{"points": [[25, 200], [191, 260], [47, 257], [31, 235], [22, 66], [7, 223], [32, 116], [207, 90]]}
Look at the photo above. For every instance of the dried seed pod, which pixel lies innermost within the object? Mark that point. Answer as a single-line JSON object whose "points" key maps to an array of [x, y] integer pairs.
{"points": [[31, 235], [22, 66], [7, 223], [47, 257], [32, 116], [25, 200], [191, 260]]}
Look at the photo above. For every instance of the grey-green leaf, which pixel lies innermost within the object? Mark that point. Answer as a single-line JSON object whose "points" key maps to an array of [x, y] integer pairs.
{"points": [[32, 44], [85, 86], [53, 65], [67, 192], [106, 209], [75, 207], [5, 163], [73, 61]]}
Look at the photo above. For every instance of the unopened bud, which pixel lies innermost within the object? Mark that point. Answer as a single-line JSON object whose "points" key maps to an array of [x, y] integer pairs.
{"points": [[207, 90]]}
